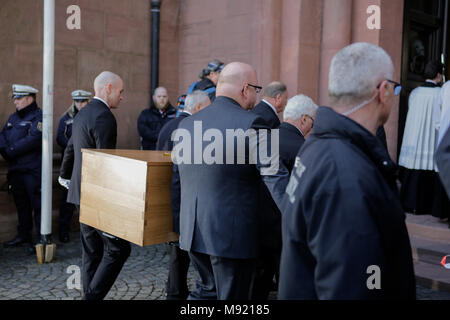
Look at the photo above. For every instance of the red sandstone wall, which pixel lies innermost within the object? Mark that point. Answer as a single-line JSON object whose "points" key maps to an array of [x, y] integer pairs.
{"points": [[114, 35]]}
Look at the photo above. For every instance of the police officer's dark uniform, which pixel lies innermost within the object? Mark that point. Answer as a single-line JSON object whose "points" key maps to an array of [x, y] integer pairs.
{"points": [[206, 84], [150, 122], [21, 146], [64, 133]]}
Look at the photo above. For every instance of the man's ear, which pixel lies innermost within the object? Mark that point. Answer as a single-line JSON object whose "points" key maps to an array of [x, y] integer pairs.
{"points": [[198, 107], [108, 88], [383, 91]]}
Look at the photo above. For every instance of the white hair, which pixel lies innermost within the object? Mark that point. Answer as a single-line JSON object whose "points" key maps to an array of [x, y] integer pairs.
{"points": [[194, 98], [298, 106], [356, 70]]}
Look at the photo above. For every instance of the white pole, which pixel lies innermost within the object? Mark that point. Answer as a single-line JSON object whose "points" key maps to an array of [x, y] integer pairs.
{"points": [[47, 128]]}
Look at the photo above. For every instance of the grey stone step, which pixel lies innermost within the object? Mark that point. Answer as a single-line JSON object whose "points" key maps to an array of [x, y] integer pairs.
{"points": [[429, 251], [432, 276], [427, 227]]}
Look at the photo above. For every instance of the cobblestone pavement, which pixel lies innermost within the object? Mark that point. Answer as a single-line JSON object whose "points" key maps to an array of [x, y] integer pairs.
{"points": [[143, 276]]}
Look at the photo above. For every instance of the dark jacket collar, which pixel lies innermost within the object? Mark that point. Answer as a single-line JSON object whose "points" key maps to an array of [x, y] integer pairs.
{"points": [[204, 84], [292, 128], [167, 111], [183, 114], [270, 108], [430, 85], [25, 111], [330, 124], [227, 101]]}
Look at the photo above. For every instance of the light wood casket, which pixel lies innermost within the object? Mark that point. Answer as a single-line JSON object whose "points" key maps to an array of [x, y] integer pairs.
{"points": [[126, 193]]}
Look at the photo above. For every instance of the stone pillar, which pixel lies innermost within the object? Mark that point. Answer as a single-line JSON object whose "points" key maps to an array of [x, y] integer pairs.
{"points": [[336, 34], [300, 46], [389, 37]]}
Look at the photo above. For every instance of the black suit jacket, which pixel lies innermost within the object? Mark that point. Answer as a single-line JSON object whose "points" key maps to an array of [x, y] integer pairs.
{"points": [[219, 202], [271, 215], [443, 161], [165, 143], [291, 140], [95, 128], [263, 110]]}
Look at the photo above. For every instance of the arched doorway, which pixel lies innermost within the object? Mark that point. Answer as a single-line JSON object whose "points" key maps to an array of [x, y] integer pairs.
{"points": [[425, 38]]}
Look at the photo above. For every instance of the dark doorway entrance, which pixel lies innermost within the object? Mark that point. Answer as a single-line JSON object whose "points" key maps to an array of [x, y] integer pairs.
{"points": [[425, 27]]}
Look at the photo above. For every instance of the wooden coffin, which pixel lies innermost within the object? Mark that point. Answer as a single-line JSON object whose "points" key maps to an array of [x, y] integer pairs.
{"points": [[126, 193]]}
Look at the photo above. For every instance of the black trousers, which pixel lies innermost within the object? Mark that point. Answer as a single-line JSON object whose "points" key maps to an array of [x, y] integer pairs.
{"points": [[267, 267], [177, 288], [26, 191], [222, 278], [103, 256], [65, 212]]}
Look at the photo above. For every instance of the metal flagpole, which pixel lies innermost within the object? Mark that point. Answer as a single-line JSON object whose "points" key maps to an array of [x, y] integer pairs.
{"points": [[46, 250]]}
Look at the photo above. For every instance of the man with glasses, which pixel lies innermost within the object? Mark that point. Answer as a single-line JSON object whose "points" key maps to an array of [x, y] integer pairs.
{"points": [[219, 201], [298, 123], [273, 102], [344, 232]]}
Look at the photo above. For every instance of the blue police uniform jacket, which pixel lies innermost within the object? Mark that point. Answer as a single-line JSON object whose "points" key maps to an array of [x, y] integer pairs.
{"points": [[65, 127], [342, 219], [21, 140]]}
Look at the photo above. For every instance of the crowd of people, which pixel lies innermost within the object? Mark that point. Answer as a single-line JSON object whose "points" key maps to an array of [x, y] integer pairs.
{"points": [[313, 226]]}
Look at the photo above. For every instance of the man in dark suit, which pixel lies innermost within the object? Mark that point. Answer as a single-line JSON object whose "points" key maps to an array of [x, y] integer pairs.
{"points": [[176, 288], [299, 116], [220, 189], [443, 159], [103, 255], [273, 102]]}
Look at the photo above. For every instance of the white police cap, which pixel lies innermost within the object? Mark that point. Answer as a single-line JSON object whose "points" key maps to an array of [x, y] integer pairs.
{"points": [[20, 91], [81, 95]]}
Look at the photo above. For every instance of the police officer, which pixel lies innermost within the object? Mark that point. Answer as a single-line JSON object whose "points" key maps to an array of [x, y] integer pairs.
{"points": [[21, 146], [209, 78], [80, 99]]}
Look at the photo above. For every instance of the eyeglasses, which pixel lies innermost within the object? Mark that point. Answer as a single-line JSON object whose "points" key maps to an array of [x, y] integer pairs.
{"points": [[312, 120], [257, 88], [397, 87]]}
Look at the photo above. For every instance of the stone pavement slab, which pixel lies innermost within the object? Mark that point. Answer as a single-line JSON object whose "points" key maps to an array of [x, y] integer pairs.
{"points": [[143, 276]]}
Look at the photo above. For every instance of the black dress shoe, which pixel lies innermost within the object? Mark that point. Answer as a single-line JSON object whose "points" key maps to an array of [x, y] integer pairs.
{"points": [[17, 241], [31, 250], [64, 238]]}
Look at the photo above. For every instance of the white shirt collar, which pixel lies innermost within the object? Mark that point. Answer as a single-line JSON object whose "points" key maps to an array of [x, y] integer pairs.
{"points": [[101, 101], [431, 81], [187, 112], [271, 106]]}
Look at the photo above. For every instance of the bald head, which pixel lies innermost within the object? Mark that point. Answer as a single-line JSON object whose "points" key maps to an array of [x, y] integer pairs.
{"points": [[234, 83], [109, 87]]}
